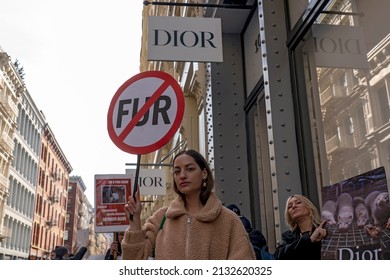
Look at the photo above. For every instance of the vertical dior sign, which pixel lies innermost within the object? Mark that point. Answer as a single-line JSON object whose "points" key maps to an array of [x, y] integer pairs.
{"points": [[185, 39]]}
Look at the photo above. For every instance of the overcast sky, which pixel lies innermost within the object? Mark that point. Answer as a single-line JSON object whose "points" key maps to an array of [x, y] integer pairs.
{"points": [[75, 55]]}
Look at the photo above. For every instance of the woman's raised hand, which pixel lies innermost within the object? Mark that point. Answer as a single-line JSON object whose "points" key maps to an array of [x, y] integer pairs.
{"points": [[133, 207], [319, 233]]}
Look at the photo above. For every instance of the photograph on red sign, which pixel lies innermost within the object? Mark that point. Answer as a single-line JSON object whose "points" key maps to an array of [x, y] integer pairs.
{"points": [[111, 192]]}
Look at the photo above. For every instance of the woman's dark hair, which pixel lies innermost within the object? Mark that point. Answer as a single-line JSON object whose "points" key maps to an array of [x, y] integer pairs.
{"points": [[202, 163]]}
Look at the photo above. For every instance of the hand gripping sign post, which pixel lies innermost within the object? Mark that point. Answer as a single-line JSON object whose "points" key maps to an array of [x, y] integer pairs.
{"points": [[145, 113]]}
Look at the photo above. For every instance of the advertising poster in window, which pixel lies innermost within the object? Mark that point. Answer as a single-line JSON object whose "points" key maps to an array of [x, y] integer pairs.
{"points": [[111, 192], [357, 211]]}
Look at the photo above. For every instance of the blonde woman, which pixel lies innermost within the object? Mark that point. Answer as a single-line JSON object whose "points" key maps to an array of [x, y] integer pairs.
{"points": [[303, 240]]}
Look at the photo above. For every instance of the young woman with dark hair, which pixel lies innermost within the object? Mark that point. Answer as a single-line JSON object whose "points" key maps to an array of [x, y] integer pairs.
{"points": [[194, 226]]}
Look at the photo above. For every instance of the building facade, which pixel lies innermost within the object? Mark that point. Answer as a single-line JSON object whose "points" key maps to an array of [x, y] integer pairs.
{"points": [[24, 174], [34, 179], [51, 197], [76, 212], [300, 101], [16, 199]]}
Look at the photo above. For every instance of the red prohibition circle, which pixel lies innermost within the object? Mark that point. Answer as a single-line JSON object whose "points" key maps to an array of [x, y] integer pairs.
{"points": [[119, 139]]}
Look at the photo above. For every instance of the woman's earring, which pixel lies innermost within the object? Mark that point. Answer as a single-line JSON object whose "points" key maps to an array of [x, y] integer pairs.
{"points": [[204, 184]]}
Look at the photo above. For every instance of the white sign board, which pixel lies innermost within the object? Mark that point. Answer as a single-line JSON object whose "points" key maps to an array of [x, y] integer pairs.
{"points": [[150, 181], [82, 237], [185, 39], [339, 46]]}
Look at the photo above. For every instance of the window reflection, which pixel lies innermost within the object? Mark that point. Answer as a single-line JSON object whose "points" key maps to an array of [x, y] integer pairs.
{"points": [[349, 105]]}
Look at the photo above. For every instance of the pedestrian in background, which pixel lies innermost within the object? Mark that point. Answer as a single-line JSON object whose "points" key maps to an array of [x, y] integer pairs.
{"points": [[257, 239], [52, 255], [115, 250], [62, 253]]}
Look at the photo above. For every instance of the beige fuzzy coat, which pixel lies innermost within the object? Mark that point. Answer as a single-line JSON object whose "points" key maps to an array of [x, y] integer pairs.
{"points": [[216, 233]]}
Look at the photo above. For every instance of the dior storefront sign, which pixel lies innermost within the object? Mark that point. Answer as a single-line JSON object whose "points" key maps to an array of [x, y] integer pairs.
{"points": [[184, 39]]}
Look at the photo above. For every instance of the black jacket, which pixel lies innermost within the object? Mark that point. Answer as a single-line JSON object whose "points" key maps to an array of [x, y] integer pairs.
{"points": [[259, 244], [297, 247], [60, 252], [257, 240], [108, 256], [80, 254]]}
